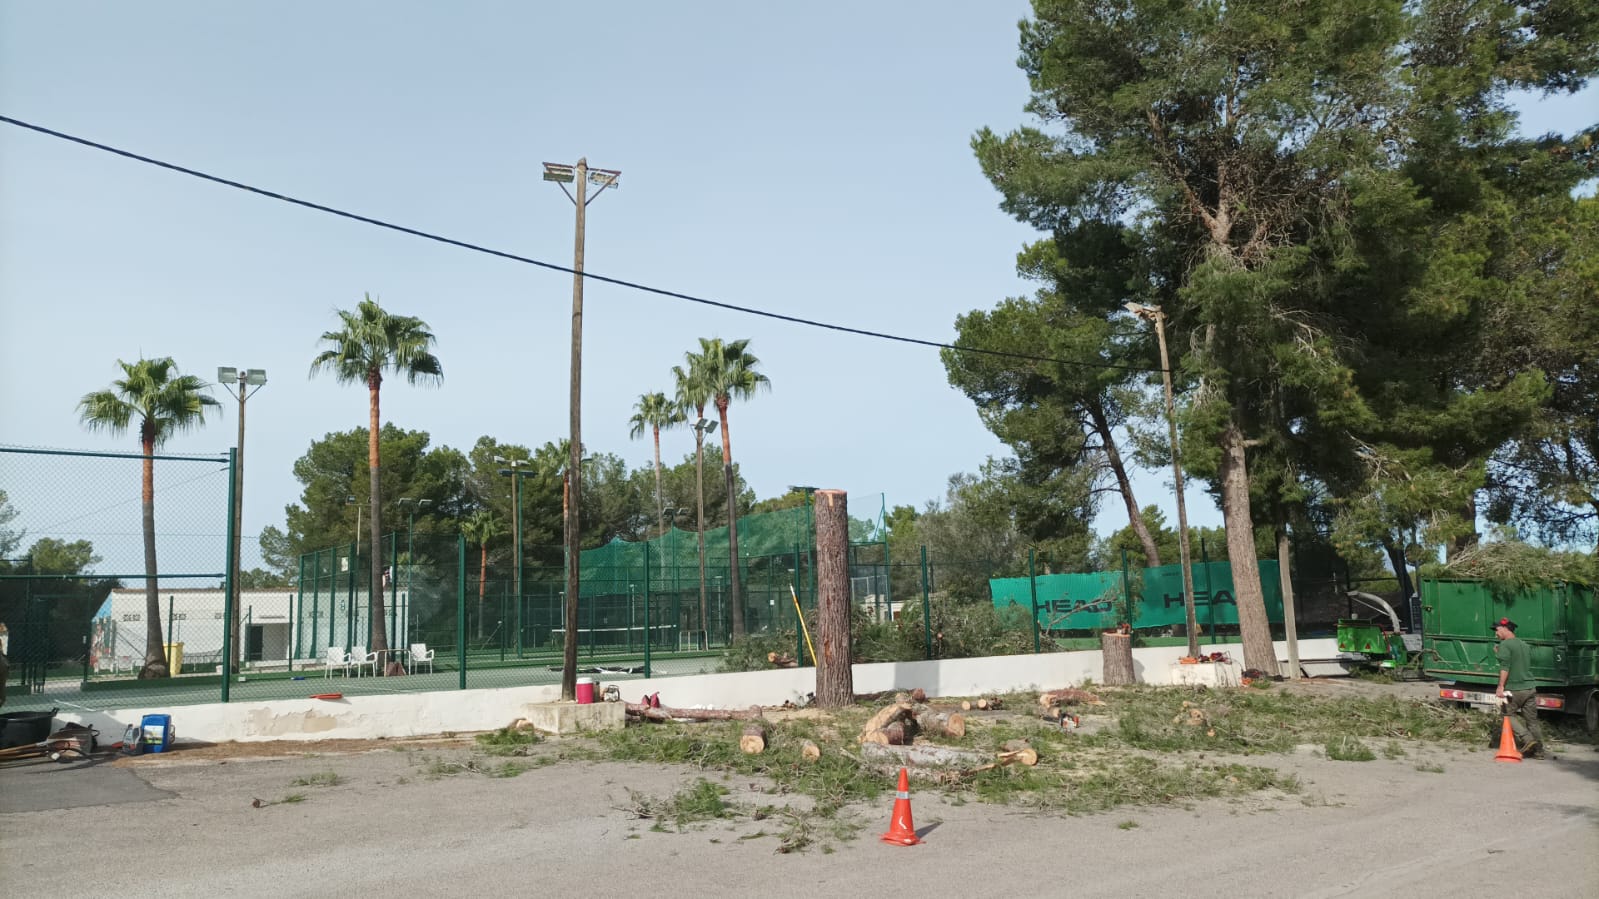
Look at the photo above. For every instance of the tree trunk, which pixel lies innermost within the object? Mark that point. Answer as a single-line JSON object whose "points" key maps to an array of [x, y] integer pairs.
{"points": [[1117, 650], [835, 686], [699, 498], [1467, 540], [380, 637], [1285, 576], [1253, 626], [660, 508], [1401, 566], [735, 588], [482, 582], [1124, 485], [155, 657]]}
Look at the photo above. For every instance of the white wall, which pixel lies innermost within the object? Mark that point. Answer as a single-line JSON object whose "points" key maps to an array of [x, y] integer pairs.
{"points": [[419, 714]]}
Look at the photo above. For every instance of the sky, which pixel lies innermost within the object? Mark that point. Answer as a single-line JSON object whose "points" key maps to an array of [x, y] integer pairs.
{"points": [[808, 159]]}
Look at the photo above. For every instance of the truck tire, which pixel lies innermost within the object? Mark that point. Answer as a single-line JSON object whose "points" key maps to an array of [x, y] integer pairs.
{"points": [[1590, 714]]}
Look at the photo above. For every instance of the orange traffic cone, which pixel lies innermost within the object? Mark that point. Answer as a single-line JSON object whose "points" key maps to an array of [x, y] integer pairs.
{"points": [[901, 830], [1507, 744]]}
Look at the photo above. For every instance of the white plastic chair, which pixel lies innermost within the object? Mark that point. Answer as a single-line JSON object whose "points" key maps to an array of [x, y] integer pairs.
{"points": [[419, 654], [360, 658], [335, 658]]}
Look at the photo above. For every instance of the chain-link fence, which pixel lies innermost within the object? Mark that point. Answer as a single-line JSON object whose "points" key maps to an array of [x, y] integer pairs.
{"points": [[113, 576]]}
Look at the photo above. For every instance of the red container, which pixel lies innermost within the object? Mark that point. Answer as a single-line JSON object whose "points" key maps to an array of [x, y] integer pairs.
{"points": [[585, 690]]}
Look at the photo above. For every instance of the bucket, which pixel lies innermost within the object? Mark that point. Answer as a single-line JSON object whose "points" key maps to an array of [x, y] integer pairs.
{"points": [[27, 728], [585, 690]]}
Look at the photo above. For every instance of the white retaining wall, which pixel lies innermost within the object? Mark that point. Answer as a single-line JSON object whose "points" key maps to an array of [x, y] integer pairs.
{"points": [[419, 714]]}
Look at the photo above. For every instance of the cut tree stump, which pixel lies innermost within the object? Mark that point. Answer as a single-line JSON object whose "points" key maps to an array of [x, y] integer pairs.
{"points": [[753, 740], [809, 751], [1117, 650]]}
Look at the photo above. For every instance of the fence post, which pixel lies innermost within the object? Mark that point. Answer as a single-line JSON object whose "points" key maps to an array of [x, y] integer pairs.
{"points": [[349, 604], [1032, 586], [88, 647], [927, 611], [646, 609], [1127, 588], [888, 583], [460, 609], [1210, 595], [229, 606], [394, 586], [799, 631]]}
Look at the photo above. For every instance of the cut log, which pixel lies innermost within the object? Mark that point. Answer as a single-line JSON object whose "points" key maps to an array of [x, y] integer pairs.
{"points": [[1068, 696], [1025, 756], [781, 660], [895, 733], [886, 715], [665, 713], [809, 751], [943, 724], [966, 705], [753, 740], [1117, 650], [921, 755]]}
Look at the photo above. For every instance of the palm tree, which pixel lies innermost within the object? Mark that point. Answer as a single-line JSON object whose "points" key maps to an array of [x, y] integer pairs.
{"points": [[369, 342], [728, 371], [654, 411], [164, 402], [480, 527], [693, 391]]}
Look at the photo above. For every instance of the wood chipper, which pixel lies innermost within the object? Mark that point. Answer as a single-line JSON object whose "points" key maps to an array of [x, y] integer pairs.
{"points": [[1388, 648]]}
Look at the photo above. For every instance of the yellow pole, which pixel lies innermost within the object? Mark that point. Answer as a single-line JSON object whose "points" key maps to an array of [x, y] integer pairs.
{"points": [[801, 615]]}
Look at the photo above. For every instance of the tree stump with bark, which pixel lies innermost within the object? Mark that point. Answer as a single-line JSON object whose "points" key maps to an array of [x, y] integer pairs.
{"points": [[834, 677], [753, 739], [1117, 649]]}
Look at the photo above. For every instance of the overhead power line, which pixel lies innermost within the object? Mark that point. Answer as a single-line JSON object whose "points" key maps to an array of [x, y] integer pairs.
{"points": [[514, 257]]}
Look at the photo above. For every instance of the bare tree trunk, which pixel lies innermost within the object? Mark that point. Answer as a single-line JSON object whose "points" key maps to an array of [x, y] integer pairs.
{"points": [[1124, 485], [835, 685], [380, 636], [1401, 566], [1253, 626], [155, 657]]}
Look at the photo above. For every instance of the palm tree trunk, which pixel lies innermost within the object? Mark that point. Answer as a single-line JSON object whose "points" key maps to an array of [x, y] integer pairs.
{"points": [[155, 658], [482, 583], [699, 504], [380, 637], [1253, 627], [734, 588], [660, 510], [1124, 485]]}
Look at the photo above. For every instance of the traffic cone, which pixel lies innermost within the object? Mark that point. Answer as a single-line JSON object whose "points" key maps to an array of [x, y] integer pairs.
{"points": [[901, 830], [1507, 744]]}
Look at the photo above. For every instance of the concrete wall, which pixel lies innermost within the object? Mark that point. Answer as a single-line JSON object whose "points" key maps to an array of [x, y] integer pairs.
{"points": [[418, 714]]}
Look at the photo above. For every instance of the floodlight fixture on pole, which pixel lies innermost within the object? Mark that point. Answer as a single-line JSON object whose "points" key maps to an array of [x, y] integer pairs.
{"points": [[1155, 315], [580, 176], [246, 378]]}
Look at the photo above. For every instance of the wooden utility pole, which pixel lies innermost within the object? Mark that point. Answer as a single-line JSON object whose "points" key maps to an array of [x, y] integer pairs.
{"points": [[835, 684], [1285, 577], [578, 175]]}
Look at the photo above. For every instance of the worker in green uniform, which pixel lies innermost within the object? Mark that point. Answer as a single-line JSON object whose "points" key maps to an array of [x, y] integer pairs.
{"points": [[1517, 690]]}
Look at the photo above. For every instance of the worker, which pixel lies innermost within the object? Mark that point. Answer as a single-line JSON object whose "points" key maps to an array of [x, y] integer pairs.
{"points": [[1517, 691]]}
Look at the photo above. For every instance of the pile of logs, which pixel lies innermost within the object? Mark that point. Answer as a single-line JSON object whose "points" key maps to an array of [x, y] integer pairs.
{"points": [[983, 703], [898, 723], [1055, 702]]}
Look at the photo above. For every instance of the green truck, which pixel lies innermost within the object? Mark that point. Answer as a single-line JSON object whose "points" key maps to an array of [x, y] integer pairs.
{"points": [[1557, 621]]}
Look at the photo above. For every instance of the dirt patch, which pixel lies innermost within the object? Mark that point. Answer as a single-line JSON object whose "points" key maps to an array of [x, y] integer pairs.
{"points": [[187, 752]]}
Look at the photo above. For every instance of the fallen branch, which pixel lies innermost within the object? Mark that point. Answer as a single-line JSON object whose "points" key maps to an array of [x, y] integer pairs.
{"points": [[1068, 696], [665, 713]]}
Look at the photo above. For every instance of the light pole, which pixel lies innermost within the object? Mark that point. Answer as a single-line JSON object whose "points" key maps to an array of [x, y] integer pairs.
{"points": [[515, 473], [700, 428], [1154, 314], [412, 506], [581, 176], [246, 379]]}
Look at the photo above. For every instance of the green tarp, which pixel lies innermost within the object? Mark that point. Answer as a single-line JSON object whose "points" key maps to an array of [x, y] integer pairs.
{"points": [[1098, 601]]}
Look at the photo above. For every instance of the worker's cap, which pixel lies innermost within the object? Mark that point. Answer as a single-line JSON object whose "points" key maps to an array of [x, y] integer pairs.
{"points": [[1505, 623]]}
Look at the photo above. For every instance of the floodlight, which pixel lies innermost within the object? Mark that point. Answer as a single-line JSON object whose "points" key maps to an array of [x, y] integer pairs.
{"points": [[555, 171], [227, 375], [255, 376]]}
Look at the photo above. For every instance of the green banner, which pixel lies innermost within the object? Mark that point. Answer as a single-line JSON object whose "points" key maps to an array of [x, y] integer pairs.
{"points": [[1097, 601]]}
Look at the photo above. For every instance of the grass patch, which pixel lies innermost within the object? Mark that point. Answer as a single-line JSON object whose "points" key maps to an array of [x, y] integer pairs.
{"points": [[1349, 749], [697, 803], [320, 779], [1127, 825], [1430, 768], [508, 741]]}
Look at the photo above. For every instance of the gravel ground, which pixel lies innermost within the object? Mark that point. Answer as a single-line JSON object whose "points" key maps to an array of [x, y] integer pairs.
{"points": [[187, 824]]}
